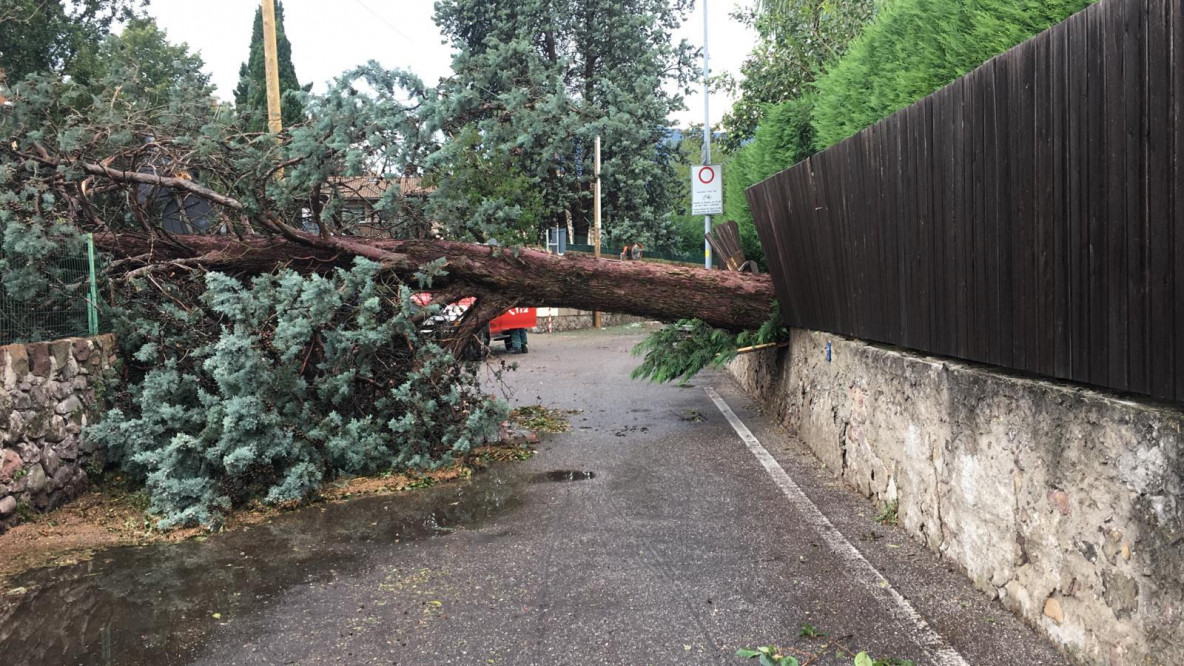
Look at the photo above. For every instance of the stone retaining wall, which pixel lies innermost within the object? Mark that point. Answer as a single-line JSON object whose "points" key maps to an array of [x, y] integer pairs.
{"points": [[1065, 503], [47, 394], [556, 320]]}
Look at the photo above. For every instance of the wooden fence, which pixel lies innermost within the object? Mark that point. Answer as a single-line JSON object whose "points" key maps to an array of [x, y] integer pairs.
{"points": [[1029, 215]]}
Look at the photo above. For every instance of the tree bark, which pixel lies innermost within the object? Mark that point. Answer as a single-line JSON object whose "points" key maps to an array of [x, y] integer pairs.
{"points": [[529, 278]]}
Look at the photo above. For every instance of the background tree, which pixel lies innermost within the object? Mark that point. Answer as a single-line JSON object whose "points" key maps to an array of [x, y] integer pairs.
{"points": [[534, 82], [250, 96], [147, 65], [795, 39], [51, 35]]}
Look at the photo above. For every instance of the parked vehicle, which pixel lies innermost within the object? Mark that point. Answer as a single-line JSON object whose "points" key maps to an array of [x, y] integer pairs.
{"points": [[498, 330]]}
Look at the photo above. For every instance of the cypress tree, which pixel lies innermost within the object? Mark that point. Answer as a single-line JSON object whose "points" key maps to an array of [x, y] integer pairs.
{"points": [[250, 96], [914, 47]]}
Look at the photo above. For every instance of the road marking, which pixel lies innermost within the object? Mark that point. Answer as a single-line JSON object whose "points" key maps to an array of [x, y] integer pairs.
{"points": [[932, 642]]}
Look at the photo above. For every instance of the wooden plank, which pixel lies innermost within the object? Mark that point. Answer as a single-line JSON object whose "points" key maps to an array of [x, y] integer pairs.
{"points": [[877, 292], [1078, 165], [1005, 186], [1161, 343], [1116, 170], [894, 272], [1057, 165], [918, 118], [1134, 55], [1099, 158], [803, 191], [822, 183], [1021, 225], [983, 108], [1177, 213], [1046, 175], [946, 224]]}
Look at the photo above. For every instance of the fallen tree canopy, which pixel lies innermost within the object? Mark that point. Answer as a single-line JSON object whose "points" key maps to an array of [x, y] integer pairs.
{"points": [[268, 345]]}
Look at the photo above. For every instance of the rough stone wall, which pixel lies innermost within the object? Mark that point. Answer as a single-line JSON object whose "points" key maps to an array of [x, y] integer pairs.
{"points": [[47, 394], [567, 319], [1065, 503]]}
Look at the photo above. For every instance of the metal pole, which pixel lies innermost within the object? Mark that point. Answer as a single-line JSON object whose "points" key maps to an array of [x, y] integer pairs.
{"points": [[92, 304], [596, 195], [596, 319], [275, 121], [706, 137]]}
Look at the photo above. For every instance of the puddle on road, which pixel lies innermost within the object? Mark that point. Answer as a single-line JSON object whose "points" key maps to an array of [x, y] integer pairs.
{"points": [[562, 475], [157, 604]]}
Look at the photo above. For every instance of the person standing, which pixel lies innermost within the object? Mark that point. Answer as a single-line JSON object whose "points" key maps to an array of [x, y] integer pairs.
{"points": [[518, 341]]}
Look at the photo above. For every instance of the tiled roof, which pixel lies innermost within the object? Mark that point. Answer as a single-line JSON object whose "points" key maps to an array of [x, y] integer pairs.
{"points": [[373, 187]]}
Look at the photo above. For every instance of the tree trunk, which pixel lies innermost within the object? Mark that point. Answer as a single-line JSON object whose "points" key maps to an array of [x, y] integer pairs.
{"points": [[667, 292]]}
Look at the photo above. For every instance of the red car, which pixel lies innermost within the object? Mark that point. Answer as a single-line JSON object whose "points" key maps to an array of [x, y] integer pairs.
{"points": [[498, 329]]}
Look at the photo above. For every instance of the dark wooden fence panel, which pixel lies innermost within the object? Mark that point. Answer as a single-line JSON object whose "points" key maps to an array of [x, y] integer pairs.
{"points": [[1029, 215]]}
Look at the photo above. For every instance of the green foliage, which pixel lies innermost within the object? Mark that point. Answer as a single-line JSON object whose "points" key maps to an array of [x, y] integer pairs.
{"points": [[269, 389], [768, 656], [810, 631], [44, 277], [535, 82], [250, 96], [147, 66], [887, 514], [54, 35], [864, 659], [914, 47], [679, 351], [795, 38], [783, 139]]}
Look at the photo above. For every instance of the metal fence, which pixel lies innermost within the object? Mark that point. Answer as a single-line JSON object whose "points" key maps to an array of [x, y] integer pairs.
{"points": [[1029, 215], [614, 253], [61, 303]]}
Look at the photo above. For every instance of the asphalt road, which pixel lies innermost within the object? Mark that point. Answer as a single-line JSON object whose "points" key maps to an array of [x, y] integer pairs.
{"points": [[677, 542]]}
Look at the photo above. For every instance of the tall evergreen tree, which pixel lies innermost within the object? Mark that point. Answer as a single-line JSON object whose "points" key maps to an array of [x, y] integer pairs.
{"points": [[250, 96], [535, 81]]}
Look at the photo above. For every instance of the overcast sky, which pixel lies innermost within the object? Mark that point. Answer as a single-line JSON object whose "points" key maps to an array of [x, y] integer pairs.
{"points": [[330, 37]]}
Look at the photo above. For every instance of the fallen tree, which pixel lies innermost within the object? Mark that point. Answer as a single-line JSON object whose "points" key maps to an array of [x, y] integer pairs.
{"points": [[268, 345], [502, 277]]}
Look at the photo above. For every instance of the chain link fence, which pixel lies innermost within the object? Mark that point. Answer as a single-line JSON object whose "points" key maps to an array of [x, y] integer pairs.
{"points": [[62, 303]]}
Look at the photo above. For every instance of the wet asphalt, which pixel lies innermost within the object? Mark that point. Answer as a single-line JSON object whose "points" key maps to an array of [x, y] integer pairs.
{"points": [[648, 534]]}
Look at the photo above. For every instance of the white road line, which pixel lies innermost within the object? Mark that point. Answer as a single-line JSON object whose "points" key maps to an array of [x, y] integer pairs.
{"points": [[939, 650]]}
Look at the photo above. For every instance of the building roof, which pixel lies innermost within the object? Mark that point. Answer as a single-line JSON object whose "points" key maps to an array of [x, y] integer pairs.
{"points": [[371, 188]]}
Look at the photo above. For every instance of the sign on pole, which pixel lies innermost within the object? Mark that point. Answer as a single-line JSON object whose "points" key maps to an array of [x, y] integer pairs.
{"points": [[707, 190]]}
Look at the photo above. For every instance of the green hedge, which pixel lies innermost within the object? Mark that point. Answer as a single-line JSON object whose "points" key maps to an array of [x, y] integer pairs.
{"points": [[915, 47], [783, 139], [910, 50]]}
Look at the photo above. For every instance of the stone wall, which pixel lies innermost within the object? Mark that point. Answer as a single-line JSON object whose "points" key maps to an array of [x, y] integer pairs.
{"points": [[1064, 502], [555, 320], [47, 394]]}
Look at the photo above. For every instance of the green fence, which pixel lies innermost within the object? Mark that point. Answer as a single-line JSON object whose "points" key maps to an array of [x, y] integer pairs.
{"points": [[60, 303]]}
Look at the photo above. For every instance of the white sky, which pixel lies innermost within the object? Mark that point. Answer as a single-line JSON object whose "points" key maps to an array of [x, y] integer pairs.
{"points": [[331, 37]]}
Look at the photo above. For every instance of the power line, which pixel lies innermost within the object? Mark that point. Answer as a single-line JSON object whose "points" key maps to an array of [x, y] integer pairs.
{"points": [[381, 18]]}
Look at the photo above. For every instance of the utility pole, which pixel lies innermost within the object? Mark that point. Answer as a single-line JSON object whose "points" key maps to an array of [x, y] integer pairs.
{"points": [[596, 319], [275, 121], [706, 137]]}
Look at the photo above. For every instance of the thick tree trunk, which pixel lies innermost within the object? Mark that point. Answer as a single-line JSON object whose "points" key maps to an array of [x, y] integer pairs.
{"points": [[724, 299]]}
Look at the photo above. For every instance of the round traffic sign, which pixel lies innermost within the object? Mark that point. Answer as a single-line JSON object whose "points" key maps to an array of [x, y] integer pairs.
{"points": [[706, 175]]}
